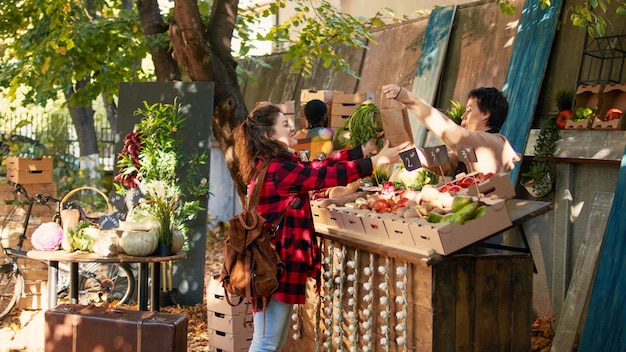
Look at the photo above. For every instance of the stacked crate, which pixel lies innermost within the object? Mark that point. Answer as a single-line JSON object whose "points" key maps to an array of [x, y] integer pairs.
{"points": [[36, 177], [344, 105], [230, 327]]}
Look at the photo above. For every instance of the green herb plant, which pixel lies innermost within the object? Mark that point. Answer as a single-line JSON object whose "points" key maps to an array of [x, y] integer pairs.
{"points": [[363, 125], [455, 112], [169, 199], [542, 172]]}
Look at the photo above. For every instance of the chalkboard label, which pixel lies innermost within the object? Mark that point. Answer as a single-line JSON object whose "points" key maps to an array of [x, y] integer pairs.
{"points": [[466, 154], [118, 202], [109, 221], [437, 155], [410, 159]]}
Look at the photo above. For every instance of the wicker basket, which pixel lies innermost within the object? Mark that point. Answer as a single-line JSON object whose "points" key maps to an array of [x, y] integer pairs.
{"points": [[86, 188]]}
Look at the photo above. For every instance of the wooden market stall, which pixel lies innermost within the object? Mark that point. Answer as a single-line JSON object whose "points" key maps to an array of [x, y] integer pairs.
{"points": [[379, 296]]}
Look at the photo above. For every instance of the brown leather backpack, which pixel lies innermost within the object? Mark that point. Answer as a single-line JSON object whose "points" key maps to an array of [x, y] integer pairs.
{"points": [[251, 265]]}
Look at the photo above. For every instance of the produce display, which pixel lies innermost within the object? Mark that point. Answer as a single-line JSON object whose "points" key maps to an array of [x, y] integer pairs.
{"points": [[410, 216]]}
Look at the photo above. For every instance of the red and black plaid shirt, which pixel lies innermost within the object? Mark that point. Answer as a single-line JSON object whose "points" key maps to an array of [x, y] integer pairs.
{"points": [[286, 180]]}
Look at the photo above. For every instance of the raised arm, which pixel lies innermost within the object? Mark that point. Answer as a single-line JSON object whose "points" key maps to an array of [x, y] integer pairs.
{"points": [[437, 122]]}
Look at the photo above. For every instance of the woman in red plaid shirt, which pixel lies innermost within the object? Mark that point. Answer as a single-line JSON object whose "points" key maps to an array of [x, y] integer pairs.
{"points": [[266, 134]]}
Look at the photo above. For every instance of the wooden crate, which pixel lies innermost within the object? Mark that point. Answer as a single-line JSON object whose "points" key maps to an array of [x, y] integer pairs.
{"points": [[462, 303], [29, 170], [344, 105]]}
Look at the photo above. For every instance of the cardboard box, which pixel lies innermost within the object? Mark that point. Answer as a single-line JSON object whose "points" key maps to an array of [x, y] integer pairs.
{"points": [[499, 185], [446, 238], [232, 324], [613, 97], [29, 176], [374, 224], [320, 214], [334, 218], [587, 95], [398, 229], [288, 108], [229, 342], [7, 193], [351, 219], [216, 299]]}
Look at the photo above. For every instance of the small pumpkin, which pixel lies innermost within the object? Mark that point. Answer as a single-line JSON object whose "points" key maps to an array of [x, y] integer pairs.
{"points": [[178, 240], [139, 243]]}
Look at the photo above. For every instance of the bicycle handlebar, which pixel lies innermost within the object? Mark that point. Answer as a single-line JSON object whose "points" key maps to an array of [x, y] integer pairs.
{"points": [[39, 198]]}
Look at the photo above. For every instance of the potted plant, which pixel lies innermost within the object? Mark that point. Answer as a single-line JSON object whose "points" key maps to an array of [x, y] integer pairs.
{"points": [[153, 164], [540, 177]]}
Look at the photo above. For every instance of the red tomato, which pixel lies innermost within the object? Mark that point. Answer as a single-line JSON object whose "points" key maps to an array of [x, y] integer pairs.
{"points": [[446, 187], [613, 114], [466, 182], [454, 189], [563, 117]]}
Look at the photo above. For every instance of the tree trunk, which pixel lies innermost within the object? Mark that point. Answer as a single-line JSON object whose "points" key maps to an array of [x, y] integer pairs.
{"points": [[82, 118], [152, 23], [204, 55]]}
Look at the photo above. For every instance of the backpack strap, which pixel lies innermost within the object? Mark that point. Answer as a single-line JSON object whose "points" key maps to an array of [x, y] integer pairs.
{"points": [[253, 201]]}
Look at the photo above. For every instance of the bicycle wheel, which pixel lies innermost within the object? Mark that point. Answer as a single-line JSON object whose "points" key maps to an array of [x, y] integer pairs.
{"points": [[11, 287], [111, 283]]}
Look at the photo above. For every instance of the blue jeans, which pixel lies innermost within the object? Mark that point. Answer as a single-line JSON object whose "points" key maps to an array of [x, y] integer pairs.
{"points": [[276, 320]]}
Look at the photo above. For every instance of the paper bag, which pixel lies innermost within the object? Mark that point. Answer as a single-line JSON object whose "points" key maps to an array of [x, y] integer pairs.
{"points": [[396, 125]]}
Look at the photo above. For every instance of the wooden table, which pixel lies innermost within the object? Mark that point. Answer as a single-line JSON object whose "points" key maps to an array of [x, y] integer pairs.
{"points": [[54, 257]]}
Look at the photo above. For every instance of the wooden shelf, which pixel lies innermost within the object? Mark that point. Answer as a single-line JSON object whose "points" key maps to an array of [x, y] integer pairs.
{"points": [[584, 145]]}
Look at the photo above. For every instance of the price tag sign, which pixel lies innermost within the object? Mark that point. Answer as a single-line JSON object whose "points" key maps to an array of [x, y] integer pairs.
{"points": [[466, 154], [109, 221], [118, 202], [437, 155], [133, 196], [410, 159]]}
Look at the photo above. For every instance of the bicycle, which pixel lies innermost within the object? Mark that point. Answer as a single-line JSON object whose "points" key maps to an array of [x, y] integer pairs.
{"points": [[97, 282]]}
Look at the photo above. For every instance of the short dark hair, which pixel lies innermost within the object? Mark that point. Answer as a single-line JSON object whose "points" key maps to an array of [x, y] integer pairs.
{"points": [[314, 112], [491, 100]]}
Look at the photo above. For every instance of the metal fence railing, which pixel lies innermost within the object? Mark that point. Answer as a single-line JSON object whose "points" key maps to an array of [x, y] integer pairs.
{"points": [[57, 132]]}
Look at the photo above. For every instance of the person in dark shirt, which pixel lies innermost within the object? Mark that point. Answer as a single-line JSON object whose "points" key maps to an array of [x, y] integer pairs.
{"points": [[316, 140]]}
